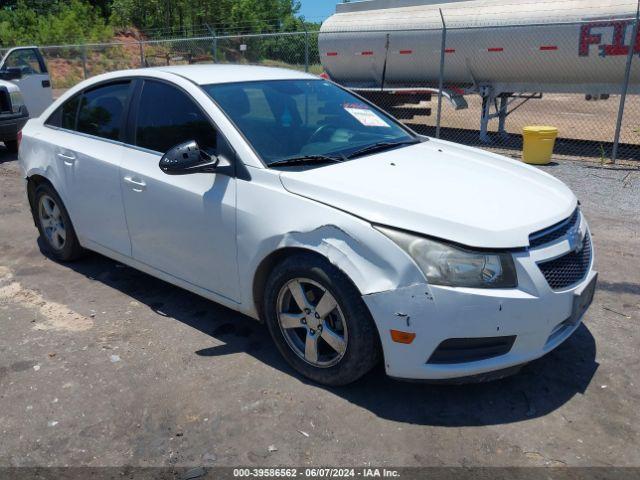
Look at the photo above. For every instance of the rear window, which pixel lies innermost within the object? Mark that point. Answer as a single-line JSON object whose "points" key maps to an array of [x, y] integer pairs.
{"points": [[65, 115]]}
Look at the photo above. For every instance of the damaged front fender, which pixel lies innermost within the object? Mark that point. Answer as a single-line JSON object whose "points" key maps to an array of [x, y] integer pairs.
{"points": [[367, 268], [272, 220]]}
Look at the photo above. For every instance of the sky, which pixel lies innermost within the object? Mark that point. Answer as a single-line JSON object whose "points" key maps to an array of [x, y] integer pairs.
{"points": [[318, 10]]}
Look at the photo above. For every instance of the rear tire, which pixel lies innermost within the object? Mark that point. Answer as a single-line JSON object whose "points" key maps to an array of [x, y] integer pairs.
{"points": [[54, 225], [319, 322], [12, 146]]}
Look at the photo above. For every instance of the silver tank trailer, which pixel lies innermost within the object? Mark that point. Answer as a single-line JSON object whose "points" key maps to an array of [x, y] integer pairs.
{"points": [[514, 45], [505, 47]]}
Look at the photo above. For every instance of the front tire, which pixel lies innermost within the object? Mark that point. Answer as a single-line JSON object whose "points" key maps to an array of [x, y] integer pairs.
{"points": [[319, 321], [55, 226]]}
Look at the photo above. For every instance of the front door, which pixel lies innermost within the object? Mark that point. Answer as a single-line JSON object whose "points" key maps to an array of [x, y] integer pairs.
{"points": [[183, 225], [34, 84]]}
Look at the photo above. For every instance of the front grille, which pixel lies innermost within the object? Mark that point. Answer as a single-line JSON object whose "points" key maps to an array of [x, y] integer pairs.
{"points": [[554, 232], [5, 104], [568, 269], [461, 350]]}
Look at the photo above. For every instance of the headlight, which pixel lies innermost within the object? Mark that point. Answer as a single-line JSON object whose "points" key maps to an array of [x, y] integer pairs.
{"points": [[444, 264], [16, 101]]}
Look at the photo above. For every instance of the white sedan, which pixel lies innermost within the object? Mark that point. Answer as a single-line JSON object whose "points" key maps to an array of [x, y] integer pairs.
{"points": [[287, 198]]}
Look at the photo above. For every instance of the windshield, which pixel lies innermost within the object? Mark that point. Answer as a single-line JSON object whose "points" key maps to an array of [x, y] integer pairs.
{"points": [[297, 118]]}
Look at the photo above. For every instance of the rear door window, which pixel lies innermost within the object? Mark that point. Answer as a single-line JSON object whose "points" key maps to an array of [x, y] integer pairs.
{"points": [[102, 110], [167, 116]]}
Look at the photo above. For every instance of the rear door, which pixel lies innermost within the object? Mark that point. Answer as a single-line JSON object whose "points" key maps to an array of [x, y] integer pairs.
{"points": [[85, 140], [34, 83], [183, 225]]}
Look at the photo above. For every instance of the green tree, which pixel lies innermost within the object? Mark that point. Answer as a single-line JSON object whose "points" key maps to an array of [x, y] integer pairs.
{"points": [[77, 21], [33, 22], [232, 16]]}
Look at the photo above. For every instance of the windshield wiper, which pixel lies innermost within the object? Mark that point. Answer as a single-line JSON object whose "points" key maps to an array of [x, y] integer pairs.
{"points": [[306, 159], [380, 146]]}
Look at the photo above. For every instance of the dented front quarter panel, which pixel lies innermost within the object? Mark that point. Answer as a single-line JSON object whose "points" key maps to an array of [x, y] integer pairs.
{"points": [[403, 309], [271, 218]]}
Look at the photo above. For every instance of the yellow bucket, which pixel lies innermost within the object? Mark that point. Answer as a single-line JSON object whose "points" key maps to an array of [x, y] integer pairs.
{"points": [[538, 142]]}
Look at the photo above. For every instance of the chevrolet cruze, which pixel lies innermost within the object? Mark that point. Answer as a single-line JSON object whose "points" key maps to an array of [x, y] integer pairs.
{"points": [[285, 197]]}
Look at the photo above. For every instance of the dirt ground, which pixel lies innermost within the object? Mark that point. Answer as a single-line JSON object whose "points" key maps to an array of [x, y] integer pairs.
{"points": [[101, 365], [574, 117], [585, 128]]}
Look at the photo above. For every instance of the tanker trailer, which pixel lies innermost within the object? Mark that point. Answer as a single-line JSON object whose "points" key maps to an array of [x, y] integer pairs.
{"points": [[508, 52]]}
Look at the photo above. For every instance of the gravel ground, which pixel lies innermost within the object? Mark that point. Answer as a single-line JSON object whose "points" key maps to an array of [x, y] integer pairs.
{"points": [[101, 365], [612, 191]]}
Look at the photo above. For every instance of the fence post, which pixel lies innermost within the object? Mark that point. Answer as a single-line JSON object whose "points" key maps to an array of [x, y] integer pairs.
{"points": [[441, 79], [625, 86], [141, 53], [306, 49], [214, 43], [83, 53]]}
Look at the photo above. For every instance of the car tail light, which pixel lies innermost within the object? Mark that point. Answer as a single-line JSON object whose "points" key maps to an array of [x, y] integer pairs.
{"points": [[19, 138]]}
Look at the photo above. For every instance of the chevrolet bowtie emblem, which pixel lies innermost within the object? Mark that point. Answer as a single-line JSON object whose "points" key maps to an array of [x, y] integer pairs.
{"points": [[575, 240]]}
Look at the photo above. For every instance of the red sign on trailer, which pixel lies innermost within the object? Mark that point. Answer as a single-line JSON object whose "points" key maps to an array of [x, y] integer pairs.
{"points": [[591, 34]]}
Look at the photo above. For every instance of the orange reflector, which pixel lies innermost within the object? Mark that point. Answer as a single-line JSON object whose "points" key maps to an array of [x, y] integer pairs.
{"points": [[402, 337]]}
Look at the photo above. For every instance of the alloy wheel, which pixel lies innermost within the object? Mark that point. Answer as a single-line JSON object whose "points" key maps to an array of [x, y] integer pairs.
{"points": [[52, 222], [312, 323]]}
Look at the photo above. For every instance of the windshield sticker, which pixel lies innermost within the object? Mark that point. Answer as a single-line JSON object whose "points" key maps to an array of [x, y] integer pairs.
{"points": [[366, 117]]}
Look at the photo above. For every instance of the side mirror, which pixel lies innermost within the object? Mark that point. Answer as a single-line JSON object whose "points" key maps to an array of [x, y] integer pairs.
{"points": [[11, 73], [187, 158]]}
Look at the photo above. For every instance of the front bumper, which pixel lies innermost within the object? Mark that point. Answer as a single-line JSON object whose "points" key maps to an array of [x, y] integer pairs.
{"points": [[538, 317]]}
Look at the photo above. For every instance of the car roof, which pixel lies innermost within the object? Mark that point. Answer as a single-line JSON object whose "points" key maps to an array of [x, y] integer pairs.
{"points": [[216, 73]]}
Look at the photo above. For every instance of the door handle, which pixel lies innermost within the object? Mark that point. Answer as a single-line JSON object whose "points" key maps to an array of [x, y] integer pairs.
{"points": [[137, 184], [46, 83], [68, 158]]}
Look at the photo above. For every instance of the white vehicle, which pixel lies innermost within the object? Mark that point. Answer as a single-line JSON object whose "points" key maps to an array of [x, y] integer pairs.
{"points": [[25, 90], [285, 197]]}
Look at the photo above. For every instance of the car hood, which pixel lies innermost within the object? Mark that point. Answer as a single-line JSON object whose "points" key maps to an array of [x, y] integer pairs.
{"points": [[441, 189], [10, 86]]}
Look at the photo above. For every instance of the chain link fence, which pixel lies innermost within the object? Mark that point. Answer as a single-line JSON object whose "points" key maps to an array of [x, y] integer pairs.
{"points": [[540, 78], [477, 85]]}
